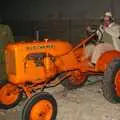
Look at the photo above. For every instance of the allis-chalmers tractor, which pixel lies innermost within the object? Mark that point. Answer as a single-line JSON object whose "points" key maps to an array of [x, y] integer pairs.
{"points": [[34, 66]]}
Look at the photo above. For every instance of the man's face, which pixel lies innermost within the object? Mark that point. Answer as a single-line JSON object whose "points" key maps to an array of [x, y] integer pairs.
{"points": [[106, 20]]}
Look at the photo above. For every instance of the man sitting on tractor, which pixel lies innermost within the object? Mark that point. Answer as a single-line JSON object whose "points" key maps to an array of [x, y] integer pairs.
{"points": [[108, 38]]}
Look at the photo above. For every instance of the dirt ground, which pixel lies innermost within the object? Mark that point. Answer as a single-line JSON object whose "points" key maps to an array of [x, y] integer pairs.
{"points": [[86, 103]]}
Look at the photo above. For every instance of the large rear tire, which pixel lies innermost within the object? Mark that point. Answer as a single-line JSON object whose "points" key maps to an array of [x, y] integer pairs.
{"points": [[41, 106], [110, 81]]}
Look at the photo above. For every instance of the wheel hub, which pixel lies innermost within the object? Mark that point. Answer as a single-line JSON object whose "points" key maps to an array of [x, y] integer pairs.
{"points": [[9, 94], [41, 111]]}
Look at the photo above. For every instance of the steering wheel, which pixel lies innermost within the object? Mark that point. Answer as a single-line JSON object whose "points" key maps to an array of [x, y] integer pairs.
{"points": [[98, 33]]}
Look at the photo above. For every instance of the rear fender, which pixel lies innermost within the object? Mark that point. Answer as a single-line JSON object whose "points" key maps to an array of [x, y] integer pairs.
{"points": [[105, 59]]}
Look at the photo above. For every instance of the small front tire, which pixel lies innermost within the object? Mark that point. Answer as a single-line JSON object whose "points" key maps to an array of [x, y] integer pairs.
{"points": [[41, 106], [10, 96]]}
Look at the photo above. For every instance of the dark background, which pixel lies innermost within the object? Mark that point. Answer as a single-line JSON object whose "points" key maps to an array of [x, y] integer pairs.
{"points": [[63, 19]]}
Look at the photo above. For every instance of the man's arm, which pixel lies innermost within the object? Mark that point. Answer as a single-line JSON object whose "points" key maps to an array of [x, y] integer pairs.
{"points": [[114, 31]]}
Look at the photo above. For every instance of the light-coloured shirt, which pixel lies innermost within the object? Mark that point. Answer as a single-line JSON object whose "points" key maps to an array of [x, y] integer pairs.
{"points": [[114, 30]]}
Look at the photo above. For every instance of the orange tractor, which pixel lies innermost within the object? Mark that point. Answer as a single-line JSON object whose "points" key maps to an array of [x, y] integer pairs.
{"points": [[33, 66]]}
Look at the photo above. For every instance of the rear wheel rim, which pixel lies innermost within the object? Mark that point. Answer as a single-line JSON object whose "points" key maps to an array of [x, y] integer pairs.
{"points": [[42, 110], [9, 94], [117, 83]]}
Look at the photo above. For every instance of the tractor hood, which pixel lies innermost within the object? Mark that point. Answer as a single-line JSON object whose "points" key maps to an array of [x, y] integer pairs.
{"points": [[53, 47]]}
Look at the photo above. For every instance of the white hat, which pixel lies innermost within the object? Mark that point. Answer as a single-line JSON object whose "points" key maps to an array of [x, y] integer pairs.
{"points": [[108, 14]]}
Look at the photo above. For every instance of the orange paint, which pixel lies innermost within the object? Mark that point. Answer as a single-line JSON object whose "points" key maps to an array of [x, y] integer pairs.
{"points": [[117, 83], [39, 62], [105, 59], [9, 94], [41, 111]]}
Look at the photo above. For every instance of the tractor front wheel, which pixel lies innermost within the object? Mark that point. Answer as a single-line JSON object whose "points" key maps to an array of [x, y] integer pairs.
{"points": [[41, 106], [10, 96], [111, 82]]}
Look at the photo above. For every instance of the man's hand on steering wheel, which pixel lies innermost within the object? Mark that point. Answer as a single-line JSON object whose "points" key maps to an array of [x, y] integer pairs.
{"points": [[92, 30]]}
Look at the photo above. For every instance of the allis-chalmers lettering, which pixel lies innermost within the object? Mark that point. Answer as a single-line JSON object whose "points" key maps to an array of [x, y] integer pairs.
{"points": [[40, 47]]}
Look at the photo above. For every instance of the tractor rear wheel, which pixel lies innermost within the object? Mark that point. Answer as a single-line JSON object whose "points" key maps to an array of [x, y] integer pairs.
{"points": [[41, 106], [76, 80], [111, 82], [10, 96]]}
